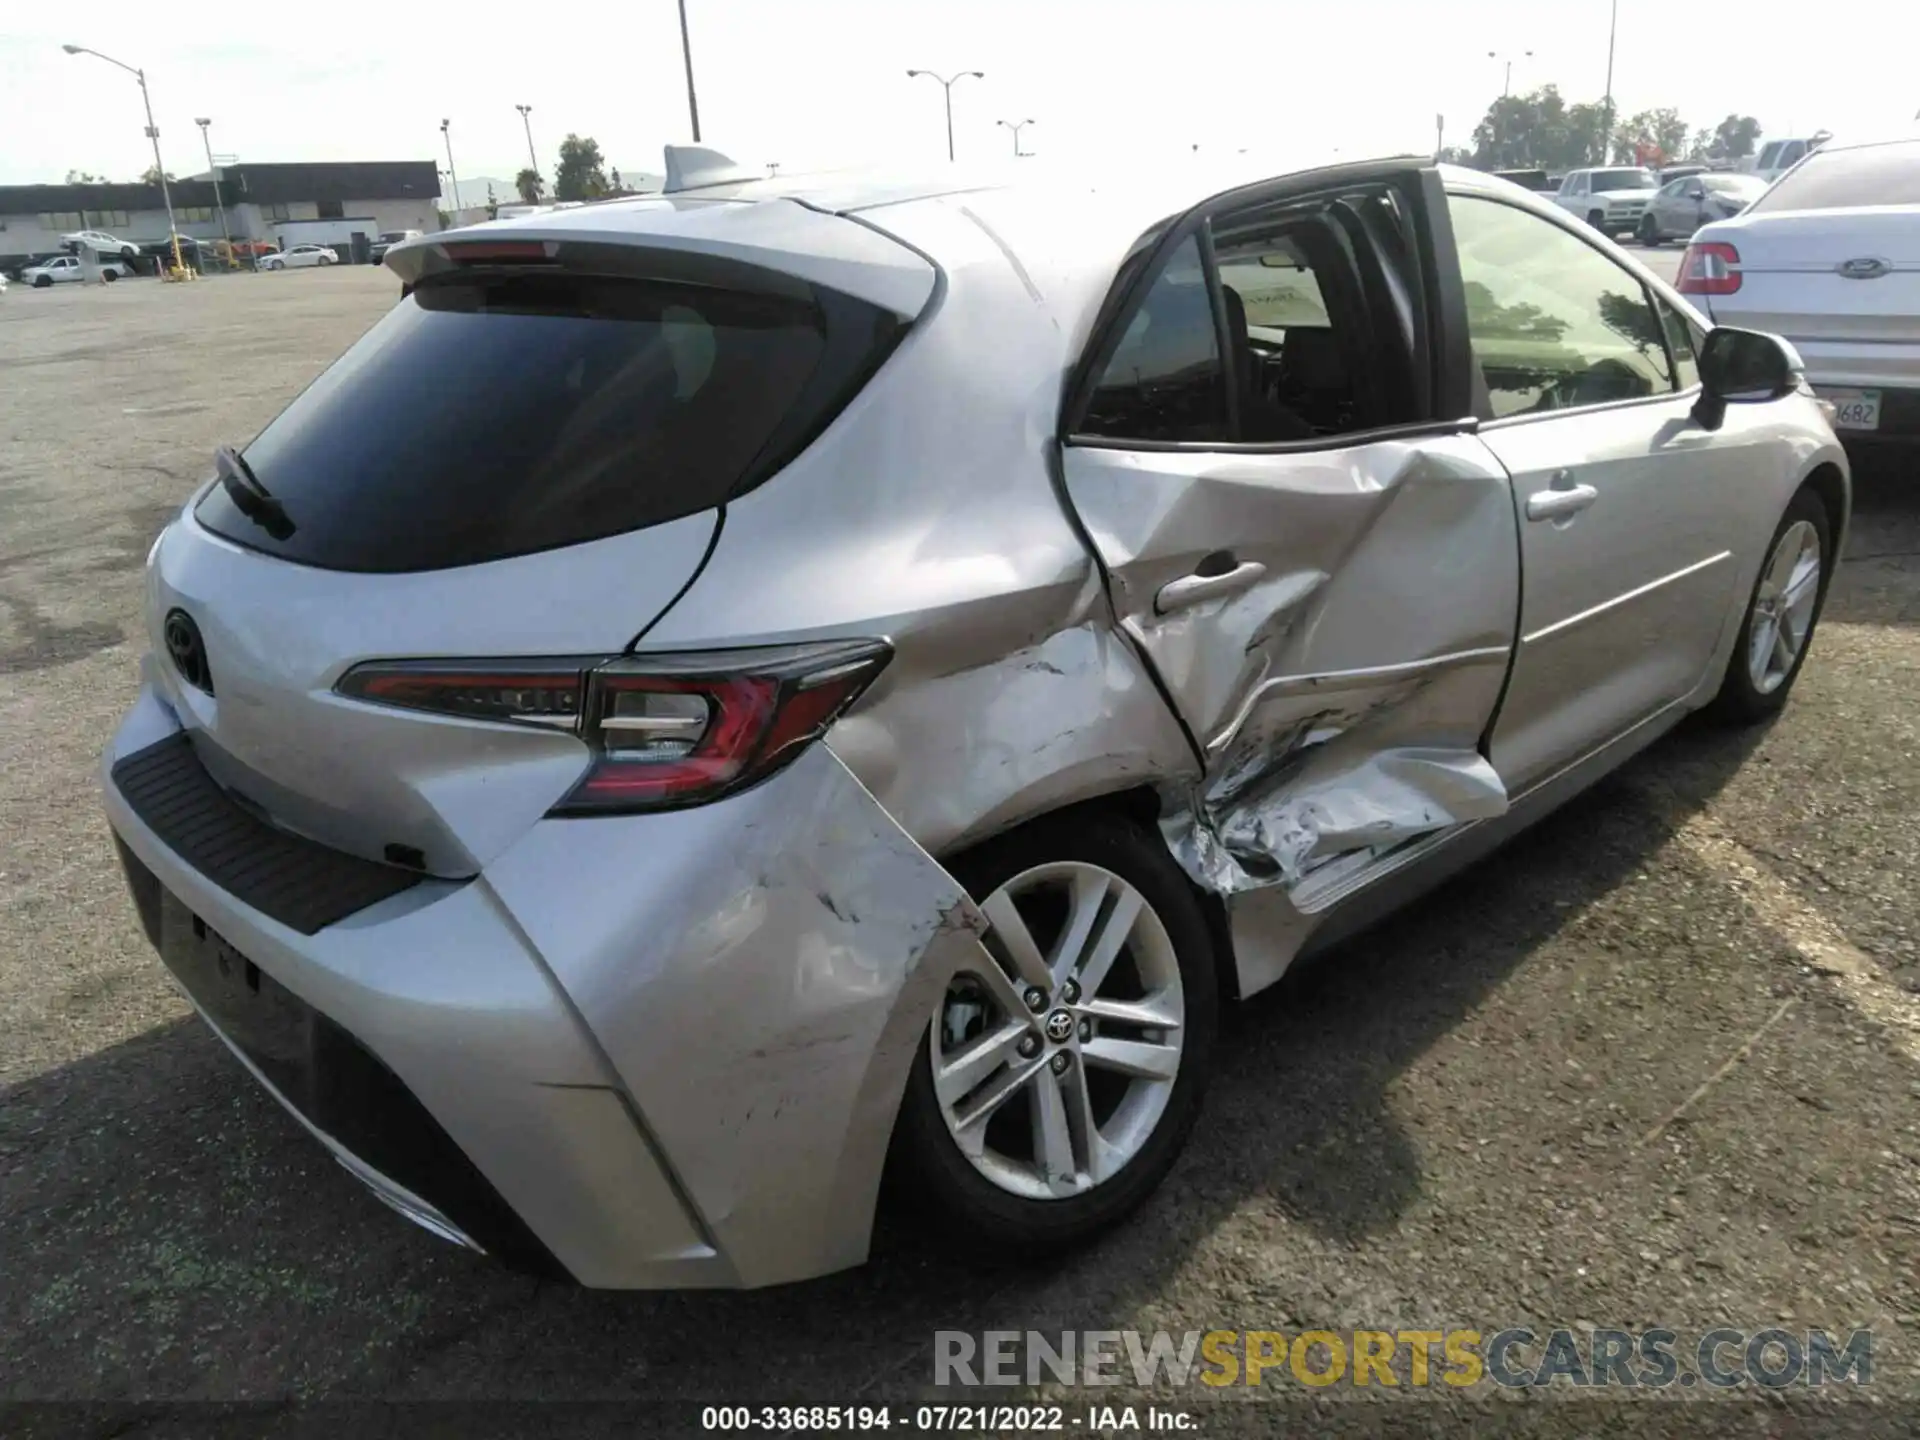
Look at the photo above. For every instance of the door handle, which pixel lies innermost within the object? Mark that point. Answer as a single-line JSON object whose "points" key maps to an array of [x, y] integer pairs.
{"points": [[1193, 589], [1562, 502]]}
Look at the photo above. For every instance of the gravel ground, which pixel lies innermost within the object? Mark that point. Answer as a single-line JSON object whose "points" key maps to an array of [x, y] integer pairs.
{"points": [[1654, 1065]]}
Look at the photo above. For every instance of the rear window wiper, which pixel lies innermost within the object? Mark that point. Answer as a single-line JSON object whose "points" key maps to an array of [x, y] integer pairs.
{"points": [[249, 496]]}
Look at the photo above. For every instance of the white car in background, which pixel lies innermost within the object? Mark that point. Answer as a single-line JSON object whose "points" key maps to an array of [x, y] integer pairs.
{"points": [[67, 269], [299, 255], [101, 243], [1611, 199], [1830, 259]]}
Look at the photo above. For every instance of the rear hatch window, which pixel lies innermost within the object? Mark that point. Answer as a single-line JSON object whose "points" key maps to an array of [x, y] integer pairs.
{"points": [[508, 410]]}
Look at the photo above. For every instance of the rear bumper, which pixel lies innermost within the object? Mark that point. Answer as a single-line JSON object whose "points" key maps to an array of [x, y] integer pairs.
{"points": [[1899, 412], [643, 1052]]}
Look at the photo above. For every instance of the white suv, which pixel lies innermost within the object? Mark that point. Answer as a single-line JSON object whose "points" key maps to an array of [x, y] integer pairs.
{"points": [[1611, 200]]}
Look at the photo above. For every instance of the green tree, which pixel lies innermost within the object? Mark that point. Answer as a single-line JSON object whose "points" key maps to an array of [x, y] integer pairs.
{"points": [[1735, 137], [151, 176], [82, 177], [581, 173], [1662, 131], [529, 183], [493, 203], [1538, 130]]}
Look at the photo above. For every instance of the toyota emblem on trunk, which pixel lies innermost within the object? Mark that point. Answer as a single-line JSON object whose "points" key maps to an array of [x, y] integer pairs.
{"points": [[187, 650], [1867, 267]]}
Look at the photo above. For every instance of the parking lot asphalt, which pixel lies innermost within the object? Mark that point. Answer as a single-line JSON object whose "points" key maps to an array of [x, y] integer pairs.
{"points": [[1657, 1064]]}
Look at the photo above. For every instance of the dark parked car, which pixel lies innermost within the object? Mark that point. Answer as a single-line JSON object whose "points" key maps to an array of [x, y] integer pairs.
{"points": [[1537, 180]]}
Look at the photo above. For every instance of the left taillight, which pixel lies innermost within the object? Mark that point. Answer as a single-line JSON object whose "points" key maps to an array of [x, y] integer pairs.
{"points": [[666, 731]]}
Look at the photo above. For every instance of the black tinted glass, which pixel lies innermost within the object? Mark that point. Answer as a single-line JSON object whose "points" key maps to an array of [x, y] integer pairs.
{"points": [[496, 415], [1164, 381]]}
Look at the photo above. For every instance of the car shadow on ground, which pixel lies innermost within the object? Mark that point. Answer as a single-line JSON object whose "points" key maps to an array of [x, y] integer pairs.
{"points": [[1882, 555], [168, 1233]]}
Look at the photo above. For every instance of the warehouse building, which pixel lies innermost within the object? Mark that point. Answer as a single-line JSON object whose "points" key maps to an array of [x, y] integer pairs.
{"points": [[282, 204]]}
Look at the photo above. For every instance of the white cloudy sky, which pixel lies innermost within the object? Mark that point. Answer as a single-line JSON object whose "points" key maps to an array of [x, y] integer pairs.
{"points": [[814, 82]]}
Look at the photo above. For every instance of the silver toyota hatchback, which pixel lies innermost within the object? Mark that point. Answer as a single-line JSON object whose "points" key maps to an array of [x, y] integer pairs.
{"points": [[719, 695]]}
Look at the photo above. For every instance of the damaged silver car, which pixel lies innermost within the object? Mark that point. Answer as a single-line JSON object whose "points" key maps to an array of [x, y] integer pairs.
{"points": [[720, 694]]}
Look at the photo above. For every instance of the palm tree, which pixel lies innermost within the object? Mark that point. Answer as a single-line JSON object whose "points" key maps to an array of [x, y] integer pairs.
{"points": [[529, 184]]}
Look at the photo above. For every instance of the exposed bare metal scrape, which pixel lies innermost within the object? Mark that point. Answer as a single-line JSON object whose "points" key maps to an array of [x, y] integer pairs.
{"points": [[1281, 830], [1339, 697]]}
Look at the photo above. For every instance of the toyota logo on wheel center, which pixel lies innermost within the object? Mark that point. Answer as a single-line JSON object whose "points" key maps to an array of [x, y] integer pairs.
{"points": [[1059, 1027]]}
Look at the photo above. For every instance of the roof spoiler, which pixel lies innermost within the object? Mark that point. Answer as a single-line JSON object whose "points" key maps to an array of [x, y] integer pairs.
{"points": [[694, 167]]}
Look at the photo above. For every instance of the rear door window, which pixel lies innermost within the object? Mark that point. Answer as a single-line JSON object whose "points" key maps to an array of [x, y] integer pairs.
{"points": [[1165, 381], [499, 413]]}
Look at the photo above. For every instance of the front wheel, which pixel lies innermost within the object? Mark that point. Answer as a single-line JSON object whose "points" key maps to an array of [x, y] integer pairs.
{"points": [[275, 265], [1598, 220], [325, 261], [42, 282], [1781, 615], [1059, 1079], [1649, 232], [109, 276]]}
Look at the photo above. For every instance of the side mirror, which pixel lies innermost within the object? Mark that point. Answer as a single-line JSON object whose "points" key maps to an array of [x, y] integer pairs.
{"points": [[1743, 367], [1698, 192]]}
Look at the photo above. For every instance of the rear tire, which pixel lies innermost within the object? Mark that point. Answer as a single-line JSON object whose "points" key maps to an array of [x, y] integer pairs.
{"points": [[1782, 612], [1004, 1193]]}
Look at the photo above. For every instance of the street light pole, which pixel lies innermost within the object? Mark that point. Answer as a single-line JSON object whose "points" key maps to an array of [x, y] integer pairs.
{"points": [[686, 54], [153, 134], [453, 179], [213, 175], [532, 159], [1606, 124], [947, 85], [1506, 87], [1016, 126]]}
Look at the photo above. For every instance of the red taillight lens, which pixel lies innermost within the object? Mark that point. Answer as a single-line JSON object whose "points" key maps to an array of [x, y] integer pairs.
{"points": [[1709, 268], [666, 730]]}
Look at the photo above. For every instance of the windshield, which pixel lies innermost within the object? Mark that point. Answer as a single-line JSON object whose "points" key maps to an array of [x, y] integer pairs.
{"points": [[1604, 180], [1733, 184], [1839, 179]]}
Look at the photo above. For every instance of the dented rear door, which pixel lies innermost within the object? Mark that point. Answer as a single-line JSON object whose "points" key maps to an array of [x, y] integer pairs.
{"points": [[1332, 615]]}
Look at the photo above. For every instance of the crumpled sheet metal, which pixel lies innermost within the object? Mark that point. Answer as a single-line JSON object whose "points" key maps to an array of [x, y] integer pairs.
{"points": [[1278, 832]]}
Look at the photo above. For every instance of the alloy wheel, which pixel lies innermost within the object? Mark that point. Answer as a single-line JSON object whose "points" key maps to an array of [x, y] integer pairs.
{"points": [[1783, 606], [1054, 1054]]}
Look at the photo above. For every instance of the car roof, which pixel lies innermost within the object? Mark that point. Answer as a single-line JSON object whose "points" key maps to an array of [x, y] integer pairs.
{"points": [[1129, 195]]}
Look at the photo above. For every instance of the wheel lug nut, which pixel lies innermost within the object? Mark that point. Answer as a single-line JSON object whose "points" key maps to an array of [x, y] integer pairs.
{"points": [[1036, 999], [1072, 991], [1086, 1031], [1029, 1046], [1060, 1062]]}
